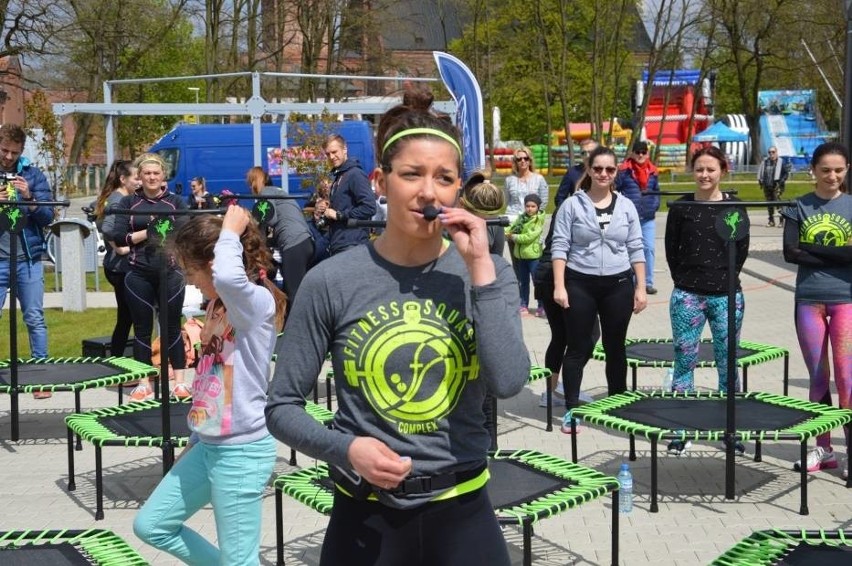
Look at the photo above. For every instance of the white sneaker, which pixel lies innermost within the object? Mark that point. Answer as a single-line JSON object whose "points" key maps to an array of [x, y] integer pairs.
{"points": [[818, 459]]}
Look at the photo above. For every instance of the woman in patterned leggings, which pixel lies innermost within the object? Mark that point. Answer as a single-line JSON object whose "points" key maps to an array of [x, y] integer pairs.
{"points": [[818, 238], [698, 263]]}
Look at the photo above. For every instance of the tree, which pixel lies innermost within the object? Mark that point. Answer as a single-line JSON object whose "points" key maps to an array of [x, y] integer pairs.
{"points": [[43, 126]]}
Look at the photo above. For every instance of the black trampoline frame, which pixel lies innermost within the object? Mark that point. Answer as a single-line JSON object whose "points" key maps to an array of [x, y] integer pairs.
{"points": [[591, 483], [132, 370], [592, 414], [764, 353], [755, 543], [124, 554], [87, 426]]}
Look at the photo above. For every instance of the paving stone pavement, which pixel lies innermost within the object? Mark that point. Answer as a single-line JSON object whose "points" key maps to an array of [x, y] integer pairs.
{"points": [[695, 522]]}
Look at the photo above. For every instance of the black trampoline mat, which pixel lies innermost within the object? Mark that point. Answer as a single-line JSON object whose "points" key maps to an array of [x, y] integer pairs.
{"points": [[818, 555], [60, 554], [53, 374], [709, 414], [149, 422], [664, 352], [513, 483]]}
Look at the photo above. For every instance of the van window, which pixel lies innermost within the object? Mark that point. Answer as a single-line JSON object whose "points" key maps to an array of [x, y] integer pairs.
{"points": [[170, 156]]}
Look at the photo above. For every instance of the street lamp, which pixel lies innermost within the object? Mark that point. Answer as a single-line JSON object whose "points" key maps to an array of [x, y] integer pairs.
{"points": [[195, 89]]}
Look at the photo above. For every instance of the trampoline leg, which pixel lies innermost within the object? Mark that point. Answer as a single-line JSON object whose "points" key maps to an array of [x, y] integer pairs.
{"points": [[745, 379], [78, 409], [527, 543], [633, 371], [573, 443], [120, 394], [316, 393], [803, 455], [786, 372], [615, 513], [72, 483], [99, 485], [654, 507], [848, 455], [632, 448], [168, 456], [758, 452], [292, 461], [279, 527], [327, 392], [15, 410], [549, 395]]}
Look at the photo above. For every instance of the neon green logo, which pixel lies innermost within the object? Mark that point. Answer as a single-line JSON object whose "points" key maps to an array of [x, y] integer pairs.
{"points": [[826, 229], [263, 210], [411, 362], [732, 220], [163, 226]]}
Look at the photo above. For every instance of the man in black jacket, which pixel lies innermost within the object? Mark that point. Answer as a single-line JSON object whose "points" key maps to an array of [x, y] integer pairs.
{"points": [[350, 197], [569, 182]]}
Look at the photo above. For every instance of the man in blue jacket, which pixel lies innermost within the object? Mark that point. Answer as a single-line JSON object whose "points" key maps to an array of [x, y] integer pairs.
{"points": [[637, 179], [351, 196], [569, 181], [24, 182]]}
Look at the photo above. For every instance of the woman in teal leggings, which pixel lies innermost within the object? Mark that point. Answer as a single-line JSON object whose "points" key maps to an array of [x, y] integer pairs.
{"points": [[698, 263]]}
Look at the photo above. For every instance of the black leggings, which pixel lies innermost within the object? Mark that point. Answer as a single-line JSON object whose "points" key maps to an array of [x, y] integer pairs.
{"points": [[123, 320], [461, 531], [294, 265], [143, 295], [610, 297], [555, 352]]}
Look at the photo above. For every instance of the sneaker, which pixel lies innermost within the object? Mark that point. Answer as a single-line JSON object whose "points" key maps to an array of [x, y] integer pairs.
{"points": [[650, 290], [566, 424], [142, 392], [678, 447], [181, 391], [539, 312], [42, 394], [818, 459], [770, 224], [844, 475], [523, 311]]}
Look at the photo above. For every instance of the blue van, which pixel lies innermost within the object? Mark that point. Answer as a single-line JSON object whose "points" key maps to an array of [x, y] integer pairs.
{"points": [[223, 153]]}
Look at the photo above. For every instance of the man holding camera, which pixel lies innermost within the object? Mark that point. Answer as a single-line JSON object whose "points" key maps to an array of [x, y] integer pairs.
{"points": [[20, 181]]}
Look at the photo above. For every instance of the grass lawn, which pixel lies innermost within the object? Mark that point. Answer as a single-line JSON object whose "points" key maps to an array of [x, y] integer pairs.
{"points": [[50, 280], [65, 331]]}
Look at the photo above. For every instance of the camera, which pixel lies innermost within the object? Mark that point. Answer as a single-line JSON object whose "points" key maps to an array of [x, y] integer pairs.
{"points": [[321, 222], [8, 176]]}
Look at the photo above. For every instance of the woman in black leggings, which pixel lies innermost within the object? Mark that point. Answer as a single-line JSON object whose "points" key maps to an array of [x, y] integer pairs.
{"points": [[146, 258], [597, 250]]}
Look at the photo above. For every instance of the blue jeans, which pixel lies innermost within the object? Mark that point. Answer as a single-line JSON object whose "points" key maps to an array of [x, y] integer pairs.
{"points": [[649, 233], [230, 477], [30, 290], [524, 269]]}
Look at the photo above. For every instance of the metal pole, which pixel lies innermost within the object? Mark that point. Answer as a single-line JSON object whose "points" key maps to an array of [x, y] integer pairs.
{"points": [[847, 83]]}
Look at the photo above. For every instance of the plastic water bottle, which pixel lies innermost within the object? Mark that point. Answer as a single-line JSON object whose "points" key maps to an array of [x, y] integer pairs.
{"points": [[668, 380], [625, 490]]}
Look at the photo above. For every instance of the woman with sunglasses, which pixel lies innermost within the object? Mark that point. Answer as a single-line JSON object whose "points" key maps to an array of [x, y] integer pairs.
{"points": [[523, 181], [597, 250]]}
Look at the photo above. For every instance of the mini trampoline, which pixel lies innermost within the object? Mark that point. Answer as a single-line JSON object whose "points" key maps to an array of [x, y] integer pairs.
{"points": [[702, 416], [525, 487], [67, 548], [659, 353], [791, 548], [68, 374], [137, 424]]}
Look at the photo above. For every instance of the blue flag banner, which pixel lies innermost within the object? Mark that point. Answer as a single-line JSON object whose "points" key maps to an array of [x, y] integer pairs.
{"points": [[469, 118]]}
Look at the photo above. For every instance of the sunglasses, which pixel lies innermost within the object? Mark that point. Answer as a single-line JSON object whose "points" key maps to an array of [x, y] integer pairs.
{"points": [[643, 152], [522, 159], [600, 169]]}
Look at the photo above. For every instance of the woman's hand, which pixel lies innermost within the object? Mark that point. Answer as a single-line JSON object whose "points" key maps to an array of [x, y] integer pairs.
{"points": [[471, 238], [640, 300], [236, 220], [560, 297], [377, 463]]}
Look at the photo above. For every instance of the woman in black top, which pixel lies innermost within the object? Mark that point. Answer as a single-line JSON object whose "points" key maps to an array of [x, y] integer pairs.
{"points": [[144, 235]]}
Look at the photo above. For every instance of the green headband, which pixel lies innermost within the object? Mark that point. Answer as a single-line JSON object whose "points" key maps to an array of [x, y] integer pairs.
{"points": [[415, 131]]}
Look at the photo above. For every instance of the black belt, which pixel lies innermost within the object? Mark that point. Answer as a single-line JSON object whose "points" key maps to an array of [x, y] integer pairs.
{"points": [[415, 485]]}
